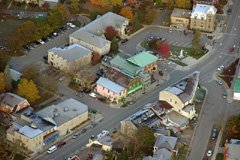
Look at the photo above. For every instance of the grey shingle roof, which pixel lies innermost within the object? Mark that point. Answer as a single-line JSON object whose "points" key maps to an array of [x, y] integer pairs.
{"points": [[71, 52]]}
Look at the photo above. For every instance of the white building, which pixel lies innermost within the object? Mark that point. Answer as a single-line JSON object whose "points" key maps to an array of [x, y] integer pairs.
{"points": [[92, 35], [203, 17], [72, 56]]}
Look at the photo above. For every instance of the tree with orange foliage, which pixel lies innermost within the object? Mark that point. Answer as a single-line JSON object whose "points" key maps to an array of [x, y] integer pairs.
{"points": [[101, 3], [127, 12]]}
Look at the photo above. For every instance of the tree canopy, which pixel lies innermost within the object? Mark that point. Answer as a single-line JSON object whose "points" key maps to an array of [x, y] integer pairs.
{"points": [[28, 90], [127, 12]]}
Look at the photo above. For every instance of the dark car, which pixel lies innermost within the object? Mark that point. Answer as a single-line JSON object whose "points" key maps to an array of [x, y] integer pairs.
{"points": [[124, 40], [26, 48], [229, 11], [87, 90], [104, 100], [214, 133], [83, 130], [61, 144]]}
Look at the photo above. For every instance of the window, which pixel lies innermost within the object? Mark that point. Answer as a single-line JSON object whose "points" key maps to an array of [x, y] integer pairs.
{"points": [[170, 100], [175, 102]]}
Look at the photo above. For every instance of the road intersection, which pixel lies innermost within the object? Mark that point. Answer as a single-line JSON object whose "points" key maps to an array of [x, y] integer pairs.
{"points": [[215, 107]]}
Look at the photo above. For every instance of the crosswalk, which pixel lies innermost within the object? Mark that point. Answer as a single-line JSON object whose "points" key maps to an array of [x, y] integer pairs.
{"points": [[180, 44]]}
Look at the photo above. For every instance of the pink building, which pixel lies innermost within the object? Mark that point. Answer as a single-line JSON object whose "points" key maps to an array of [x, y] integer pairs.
{"points": [[113, 91]]}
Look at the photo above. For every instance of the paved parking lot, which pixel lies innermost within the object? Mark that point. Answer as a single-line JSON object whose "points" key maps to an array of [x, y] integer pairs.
{"points": [[36, 55]]}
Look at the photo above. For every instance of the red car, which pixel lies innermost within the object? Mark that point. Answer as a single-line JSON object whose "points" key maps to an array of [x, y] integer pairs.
{"points": [[61, 144], [231, 49]]}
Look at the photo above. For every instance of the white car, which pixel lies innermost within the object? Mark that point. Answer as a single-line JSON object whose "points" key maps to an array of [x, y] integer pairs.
{"points": [[170, 30], [221, 67], [105, 132], [92, 95], [71, 25], [209, 153], [41, 41], [219, 82]]}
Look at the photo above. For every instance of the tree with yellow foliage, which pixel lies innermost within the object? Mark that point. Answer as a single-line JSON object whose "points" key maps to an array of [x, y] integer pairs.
{"points": [[28, 90], [127, 12], [3, 82]]}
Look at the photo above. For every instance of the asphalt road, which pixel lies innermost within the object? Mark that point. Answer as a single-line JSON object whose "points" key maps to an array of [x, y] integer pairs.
{"points": [[214, 109]]}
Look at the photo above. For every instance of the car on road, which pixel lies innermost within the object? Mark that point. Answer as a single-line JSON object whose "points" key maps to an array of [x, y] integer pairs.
{"points": [[170, 30], [124, 40], [60, 144], [214, 134], [52, 149], [209, 153], [93, 95], [224, 95], [131, 102], [55, 34], [76, 134], [229, 11], [219, 82], [221, 67]]}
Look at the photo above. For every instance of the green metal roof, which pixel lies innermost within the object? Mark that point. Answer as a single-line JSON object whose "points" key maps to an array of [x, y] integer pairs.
{"points": [[237, 86], [125, 66], [143, 59]]}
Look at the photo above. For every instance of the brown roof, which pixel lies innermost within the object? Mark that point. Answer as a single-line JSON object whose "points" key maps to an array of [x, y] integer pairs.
{"points": [[118, 77], [165, 105]]}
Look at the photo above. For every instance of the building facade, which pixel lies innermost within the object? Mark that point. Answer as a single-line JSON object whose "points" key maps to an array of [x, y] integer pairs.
{"points": [[114, 92], [92, 36], [33, 130], [10, 102], [180, 18], [203, 17], [70, 57]]}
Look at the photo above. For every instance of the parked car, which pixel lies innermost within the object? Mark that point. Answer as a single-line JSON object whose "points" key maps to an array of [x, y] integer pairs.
{"points": [[221, 67], [231, 49], [105, 132], [93, 95], [214, 134], [87, 90], [71, 25], [219, 82], [60, 144], [209, 153], [83, 130], [170, 30], [124, 40], [55, 34], [224, 95], [40, 41]]}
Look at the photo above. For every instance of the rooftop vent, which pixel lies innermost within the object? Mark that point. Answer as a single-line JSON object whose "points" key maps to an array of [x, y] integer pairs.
{"points": [[56, 114], [65, 109], [33, 126]]}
